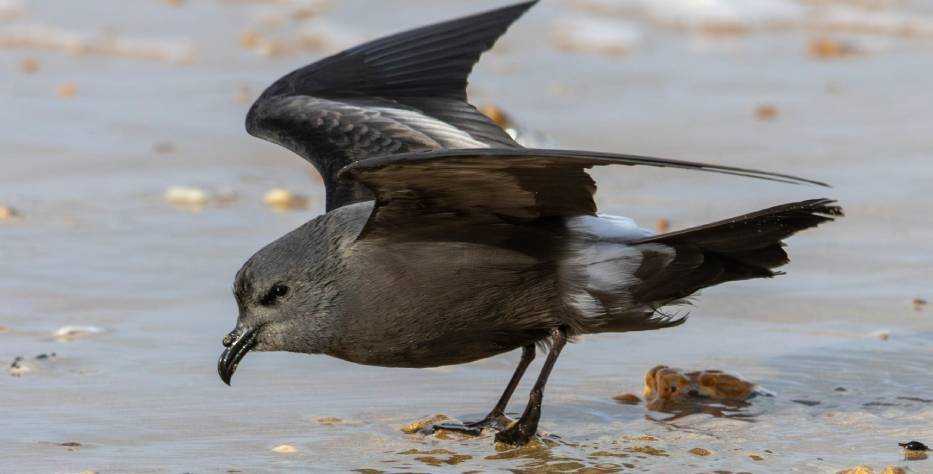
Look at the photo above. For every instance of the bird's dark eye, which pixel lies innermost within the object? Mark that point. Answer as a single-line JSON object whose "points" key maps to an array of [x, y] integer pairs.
{"points": [[273, 295]]}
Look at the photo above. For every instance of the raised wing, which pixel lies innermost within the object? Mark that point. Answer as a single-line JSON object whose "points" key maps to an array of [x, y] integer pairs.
{"points": [[406, 91], [447, 193]]}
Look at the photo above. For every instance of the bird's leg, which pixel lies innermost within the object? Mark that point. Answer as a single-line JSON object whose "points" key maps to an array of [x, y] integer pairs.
{"points": [[526, 427], [496, 418], [497, 415]]}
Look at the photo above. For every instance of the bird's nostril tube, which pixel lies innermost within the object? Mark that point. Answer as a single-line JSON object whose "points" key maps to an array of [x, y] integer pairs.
{"points": [[228, 340]]}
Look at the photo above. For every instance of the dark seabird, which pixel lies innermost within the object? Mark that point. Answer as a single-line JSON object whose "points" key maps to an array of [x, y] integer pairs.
{"points": [[445, 241]]}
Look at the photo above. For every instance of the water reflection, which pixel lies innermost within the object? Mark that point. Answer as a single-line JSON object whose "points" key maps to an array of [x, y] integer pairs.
{"points": [[682, 408]]}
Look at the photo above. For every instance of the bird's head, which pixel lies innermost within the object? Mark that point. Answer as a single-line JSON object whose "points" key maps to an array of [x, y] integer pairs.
{"points": [[285, 298]]}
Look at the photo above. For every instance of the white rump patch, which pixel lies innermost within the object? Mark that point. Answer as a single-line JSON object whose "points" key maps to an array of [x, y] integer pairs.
{"points": [[599, 262], [607, 227]]}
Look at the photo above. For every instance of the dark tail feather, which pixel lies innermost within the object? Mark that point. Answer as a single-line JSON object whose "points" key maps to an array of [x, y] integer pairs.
{"points": [[740, 248]]}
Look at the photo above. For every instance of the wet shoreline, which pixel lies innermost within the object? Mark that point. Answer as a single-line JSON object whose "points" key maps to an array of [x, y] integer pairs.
{"points": [[96, 244]]}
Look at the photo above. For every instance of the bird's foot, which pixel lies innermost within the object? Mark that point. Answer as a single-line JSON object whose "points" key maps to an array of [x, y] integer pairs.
{"points": [[518, 434], [475, 428]]}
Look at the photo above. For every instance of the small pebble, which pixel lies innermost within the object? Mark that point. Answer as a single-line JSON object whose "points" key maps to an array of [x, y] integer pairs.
{"points": [[10, 9], [8, 213], [809, 403], [894, 470], [662, 225], [857, 470], [755, 457], [701, 451], [71, 333], [417, 426], [283, 200], [497, 115], [4, 329], [766, 112], [914, 446], [250, 39], [649, 450], [184, 196], [666, 383], [328, 420], [627, 398], [826, 48], [918, 304], [884, 335], [67, 90], [284, 449], [164, 147], [17, 368], [29, 66]]}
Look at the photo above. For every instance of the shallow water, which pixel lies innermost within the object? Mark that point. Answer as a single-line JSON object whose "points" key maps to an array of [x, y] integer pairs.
{"points": [[97, 245]]}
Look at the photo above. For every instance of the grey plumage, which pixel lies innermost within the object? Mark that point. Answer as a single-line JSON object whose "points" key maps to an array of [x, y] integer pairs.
{"points": [[445, 242]]}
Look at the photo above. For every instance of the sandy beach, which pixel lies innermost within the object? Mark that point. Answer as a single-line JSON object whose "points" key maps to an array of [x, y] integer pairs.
{"points": [[128, 296]]}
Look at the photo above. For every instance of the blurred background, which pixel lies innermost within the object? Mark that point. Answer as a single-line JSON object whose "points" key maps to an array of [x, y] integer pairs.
{"points": [[130, 194]]}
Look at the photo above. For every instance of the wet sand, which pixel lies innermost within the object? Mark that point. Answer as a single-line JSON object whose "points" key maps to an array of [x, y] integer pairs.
{"points": [[91, 141]]}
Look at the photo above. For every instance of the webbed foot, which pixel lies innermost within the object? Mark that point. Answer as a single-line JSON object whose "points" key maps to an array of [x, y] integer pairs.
{"points": [[519, 433], [475, 428]]}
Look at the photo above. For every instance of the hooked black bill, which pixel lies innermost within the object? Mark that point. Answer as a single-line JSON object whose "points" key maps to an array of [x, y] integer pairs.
{"points": [[237, 344]]}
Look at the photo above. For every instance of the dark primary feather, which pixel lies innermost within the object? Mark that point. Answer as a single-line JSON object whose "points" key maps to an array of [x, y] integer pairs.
{"points": [[490, 185], [406, 92], [431, 61]]}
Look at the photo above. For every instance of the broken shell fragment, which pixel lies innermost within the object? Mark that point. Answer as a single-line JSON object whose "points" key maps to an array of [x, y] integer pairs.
{"points": [[918, 304], [184, 196], [417, 426], [766, 112], [8, 213], [164, 147], [497, 115], [857, 470], [67, 90], [283, 200], [29, 66], [328, 420], [663, 382], [627, 398], [71, 333], [827, 48], [284, 449], [18, 367]]}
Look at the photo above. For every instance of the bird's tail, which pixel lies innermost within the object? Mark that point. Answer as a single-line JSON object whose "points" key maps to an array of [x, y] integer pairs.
{"points": [[741, 248]]}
